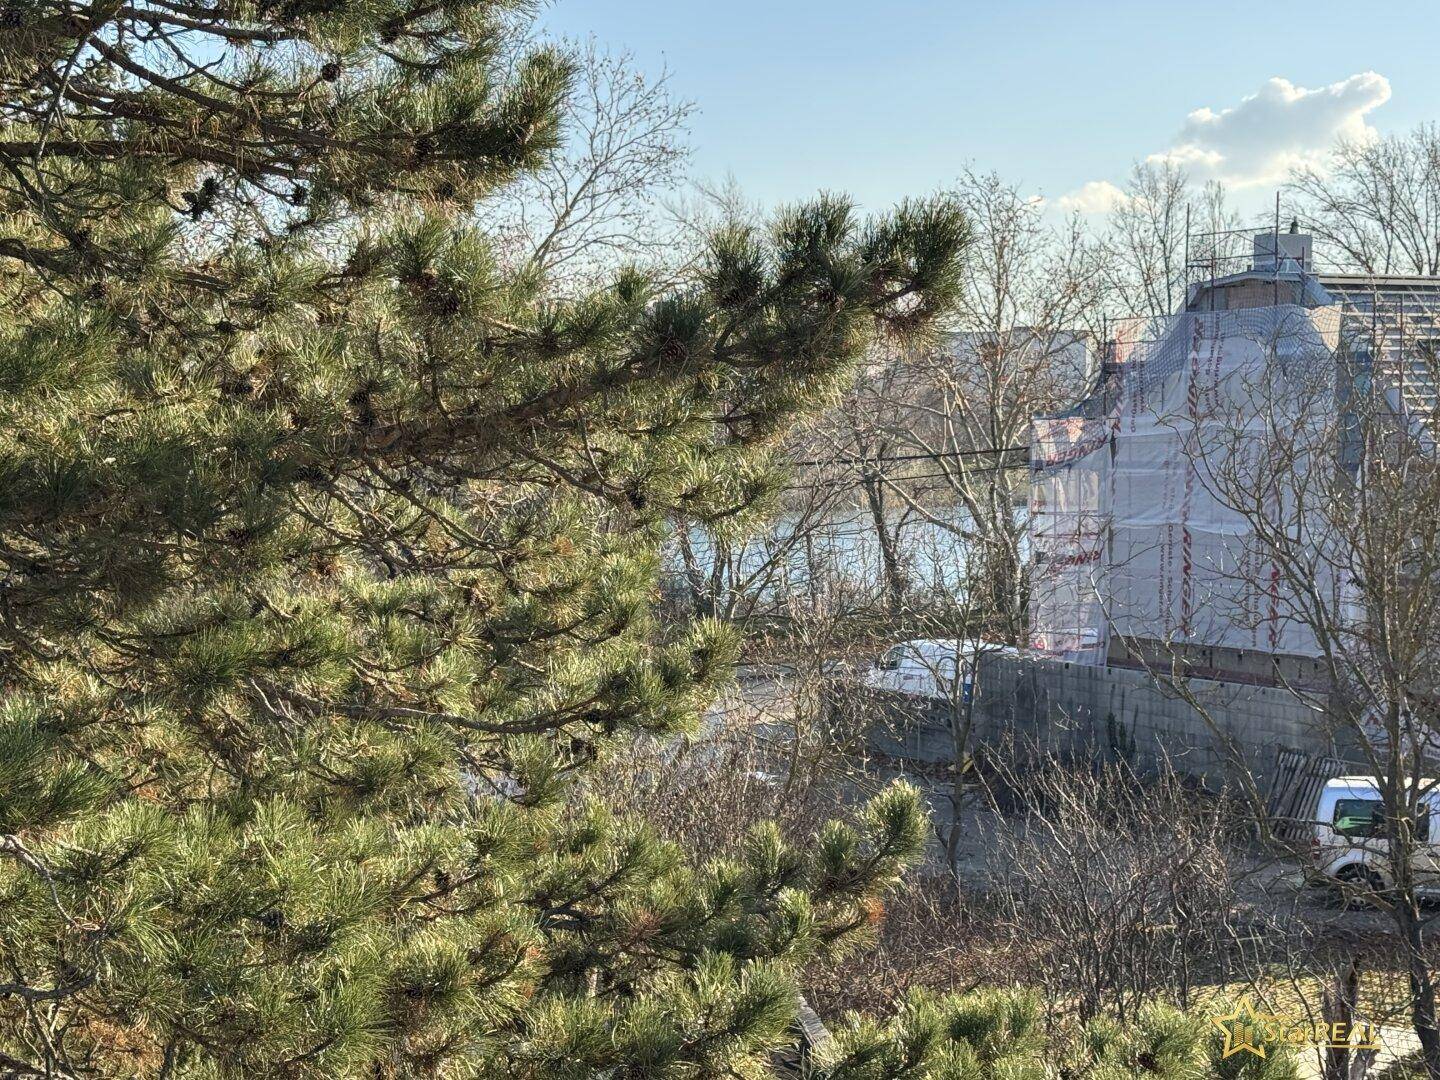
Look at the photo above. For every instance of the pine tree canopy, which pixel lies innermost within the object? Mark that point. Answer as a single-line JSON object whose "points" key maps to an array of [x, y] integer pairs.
{"points": [[329, 551]]}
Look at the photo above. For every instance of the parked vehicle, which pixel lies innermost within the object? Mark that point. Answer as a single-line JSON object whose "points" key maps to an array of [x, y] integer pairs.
{"points": [[1350, 846], [931, 667]]}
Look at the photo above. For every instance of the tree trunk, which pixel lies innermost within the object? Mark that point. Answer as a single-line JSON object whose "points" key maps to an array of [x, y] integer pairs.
{"points": [[1343, 1062], [892, 571], [962, 714], [1422, 986], [701, 600]]}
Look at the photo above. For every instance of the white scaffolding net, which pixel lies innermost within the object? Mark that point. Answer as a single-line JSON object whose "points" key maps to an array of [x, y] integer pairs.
{"points": [[1143, 508], [1069, 471]]}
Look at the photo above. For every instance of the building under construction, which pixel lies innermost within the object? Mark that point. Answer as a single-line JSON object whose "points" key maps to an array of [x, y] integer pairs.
{"points": [[1139, 553]]}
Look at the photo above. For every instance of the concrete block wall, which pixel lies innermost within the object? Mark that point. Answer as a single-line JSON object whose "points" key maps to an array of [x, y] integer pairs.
{"points": [[1116, 714], [911, 729]]}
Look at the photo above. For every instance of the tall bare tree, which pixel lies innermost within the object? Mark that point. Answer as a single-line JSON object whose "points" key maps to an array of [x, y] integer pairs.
{"points": [[866, 433], [1376, 207], [1149, 234], [1022, 346], [599, 197], [1336, 490]]}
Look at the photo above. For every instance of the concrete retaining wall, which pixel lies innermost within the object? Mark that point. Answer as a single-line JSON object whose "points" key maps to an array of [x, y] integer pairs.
{"points": [[1115, 713]]}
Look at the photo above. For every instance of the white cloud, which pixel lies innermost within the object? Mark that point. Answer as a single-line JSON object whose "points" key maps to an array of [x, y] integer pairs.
{"points": [[1259, 140], [1279, 128], [1094, 197]]}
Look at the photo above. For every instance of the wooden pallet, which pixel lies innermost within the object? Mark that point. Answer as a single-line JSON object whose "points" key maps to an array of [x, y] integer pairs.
{"points": [[1295, 786]]}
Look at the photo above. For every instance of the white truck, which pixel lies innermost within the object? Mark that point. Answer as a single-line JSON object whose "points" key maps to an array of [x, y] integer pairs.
{"points": [[940, 668], [1349, 845]]}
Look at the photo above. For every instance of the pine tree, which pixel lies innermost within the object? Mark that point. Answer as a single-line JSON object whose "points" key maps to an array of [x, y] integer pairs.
{"points": [[329, 553], [1002, 1035]]}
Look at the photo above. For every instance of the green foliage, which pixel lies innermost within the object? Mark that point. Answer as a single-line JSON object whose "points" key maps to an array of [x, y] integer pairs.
{"points": [[1001, 1035], [1279, 1063], [329, 556]]}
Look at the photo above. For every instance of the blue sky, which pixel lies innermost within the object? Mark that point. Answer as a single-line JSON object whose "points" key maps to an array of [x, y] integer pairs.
{"points": [[883, 100]]}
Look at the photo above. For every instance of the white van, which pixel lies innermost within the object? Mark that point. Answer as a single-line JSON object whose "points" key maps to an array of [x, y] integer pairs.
{"points": [[1350, 846], [931, 667]]}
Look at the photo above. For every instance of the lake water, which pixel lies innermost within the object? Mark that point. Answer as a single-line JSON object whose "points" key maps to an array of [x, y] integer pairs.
{"points": [[843, 547]]}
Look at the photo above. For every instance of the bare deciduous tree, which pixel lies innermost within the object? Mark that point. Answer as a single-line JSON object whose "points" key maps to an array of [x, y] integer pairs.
{"points": [[1336, 490], [1147, 243], [1021, 347], [1376, 208], [866, 432], [598, 199]]}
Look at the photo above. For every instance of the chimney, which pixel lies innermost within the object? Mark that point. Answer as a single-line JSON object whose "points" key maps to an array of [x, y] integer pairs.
{"points": [[1295, 250]]}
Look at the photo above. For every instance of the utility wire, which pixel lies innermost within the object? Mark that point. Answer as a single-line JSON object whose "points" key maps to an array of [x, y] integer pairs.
{"points": [[847, 483], [886, 458]]}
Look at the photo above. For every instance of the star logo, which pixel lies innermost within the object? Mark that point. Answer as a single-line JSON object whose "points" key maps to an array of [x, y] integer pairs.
{"points": [[1242, 1029]]}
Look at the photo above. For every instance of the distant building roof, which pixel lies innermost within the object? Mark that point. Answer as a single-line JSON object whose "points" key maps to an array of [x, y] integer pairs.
{"points": [[1402, 311]]}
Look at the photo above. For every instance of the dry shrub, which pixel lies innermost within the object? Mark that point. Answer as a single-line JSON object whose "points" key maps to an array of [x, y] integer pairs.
{"points": [[1112, 892], [935, 935], [705, 793]]}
